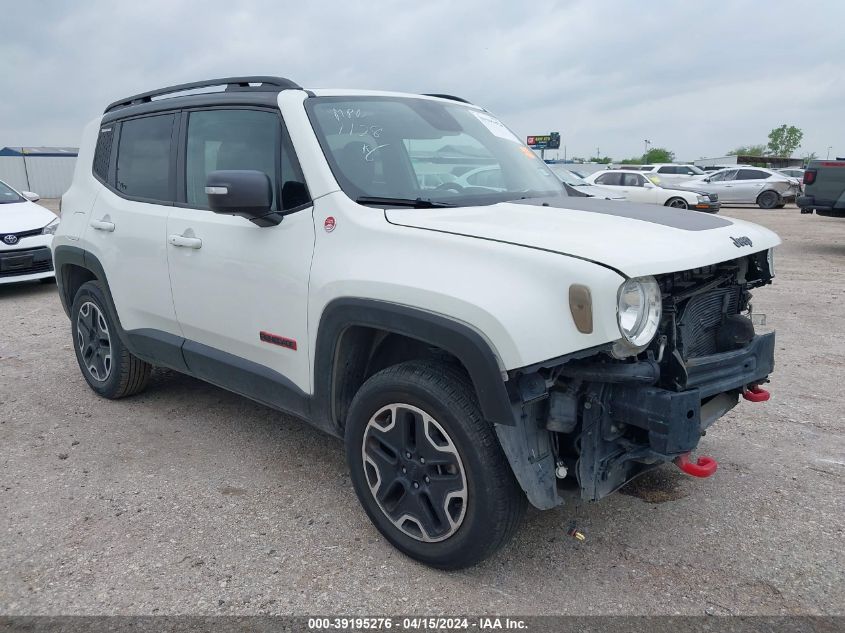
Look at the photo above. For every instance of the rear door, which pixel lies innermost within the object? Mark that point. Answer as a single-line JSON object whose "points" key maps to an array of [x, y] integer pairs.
{"points": [[241, 290], [127, 227], [748, 184]]}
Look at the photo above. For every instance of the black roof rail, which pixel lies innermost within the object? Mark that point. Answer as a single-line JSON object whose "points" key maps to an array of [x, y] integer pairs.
{"points": [[233, 84], [451, 97]]}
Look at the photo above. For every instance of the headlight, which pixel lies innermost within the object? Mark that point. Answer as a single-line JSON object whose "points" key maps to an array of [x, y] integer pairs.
{"points": [[638, 311], [50, 229], [703, 200]]}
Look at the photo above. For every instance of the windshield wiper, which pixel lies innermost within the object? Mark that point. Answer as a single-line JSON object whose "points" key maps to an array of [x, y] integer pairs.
{"points": [[416, 203]]}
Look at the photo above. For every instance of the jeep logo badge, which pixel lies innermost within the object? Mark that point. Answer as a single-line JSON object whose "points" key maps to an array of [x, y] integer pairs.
{"points": [[10, 239], [741, 241]]}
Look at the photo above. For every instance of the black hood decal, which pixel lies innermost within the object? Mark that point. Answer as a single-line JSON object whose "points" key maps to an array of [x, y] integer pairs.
{"points": [[675, 218]]}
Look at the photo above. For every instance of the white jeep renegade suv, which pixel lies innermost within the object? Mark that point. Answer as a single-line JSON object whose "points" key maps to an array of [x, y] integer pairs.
{"points": [[473, 345]]}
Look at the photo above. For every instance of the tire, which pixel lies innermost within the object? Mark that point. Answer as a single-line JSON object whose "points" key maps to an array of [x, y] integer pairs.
{"points": [[768, 200], [677, 203], [107, 366], [781, 205], [467, 476]]}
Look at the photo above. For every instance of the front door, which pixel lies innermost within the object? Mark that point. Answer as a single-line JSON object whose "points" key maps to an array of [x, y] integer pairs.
{"points": [[722, 183], [241, 290]]}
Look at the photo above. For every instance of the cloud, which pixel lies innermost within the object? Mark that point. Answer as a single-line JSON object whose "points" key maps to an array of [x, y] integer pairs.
{"points": [[699, 78]]}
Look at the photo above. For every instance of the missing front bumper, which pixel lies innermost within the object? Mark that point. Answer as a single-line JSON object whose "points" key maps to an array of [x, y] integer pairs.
{"points": [[628, 429]]}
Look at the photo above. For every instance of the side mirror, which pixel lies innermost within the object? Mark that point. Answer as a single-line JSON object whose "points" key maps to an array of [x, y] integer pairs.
{"points": [[649, 185], [32, 197], [244, 192]]}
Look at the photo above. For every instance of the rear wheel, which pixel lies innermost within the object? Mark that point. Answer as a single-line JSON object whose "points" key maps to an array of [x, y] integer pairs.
{"points": [[428, 468], [107, 366], [768, 200], [677, 203]]}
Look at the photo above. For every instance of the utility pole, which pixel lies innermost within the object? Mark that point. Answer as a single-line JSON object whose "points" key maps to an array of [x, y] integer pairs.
{"points": [[647, 143], [598, 153], [829, 147]]}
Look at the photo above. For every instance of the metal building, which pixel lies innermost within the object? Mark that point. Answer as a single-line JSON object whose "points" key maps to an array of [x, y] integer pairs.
{"points": [[47, 171]]}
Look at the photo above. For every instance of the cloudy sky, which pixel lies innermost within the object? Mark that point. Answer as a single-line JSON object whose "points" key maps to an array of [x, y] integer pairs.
{"points": [[699, 78]]}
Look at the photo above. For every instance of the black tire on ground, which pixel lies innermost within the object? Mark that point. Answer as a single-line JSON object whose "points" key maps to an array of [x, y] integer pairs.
{"points": [[677, 203], [781, 205], [768, 200], [107, 366], [460, 506]]}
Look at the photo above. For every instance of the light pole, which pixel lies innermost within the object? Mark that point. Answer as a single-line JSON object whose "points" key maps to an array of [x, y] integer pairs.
{"points": [[829, 147], [647, 143]]}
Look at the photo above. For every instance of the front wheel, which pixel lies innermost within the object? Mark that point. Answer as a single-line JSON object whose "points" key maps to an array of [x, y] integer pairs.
{"points": [[427, 467], [677, 203], [768, 200]]}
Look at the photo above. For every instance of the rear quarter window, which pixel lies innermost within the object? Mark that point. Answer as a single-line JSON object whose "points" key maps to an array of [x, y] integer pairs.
{"points": [[102, 153]]}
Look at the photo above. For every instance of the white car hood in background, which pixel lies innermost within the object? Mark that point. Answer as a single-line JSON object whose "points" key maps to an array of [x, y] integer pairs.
{"points": [[16, 217], [635, 239]]}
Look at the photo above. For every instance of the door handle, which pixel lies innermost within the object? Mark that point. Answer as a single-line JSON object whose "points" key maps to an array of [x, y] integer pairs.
{"points": [[187, 242], [102, 225]]}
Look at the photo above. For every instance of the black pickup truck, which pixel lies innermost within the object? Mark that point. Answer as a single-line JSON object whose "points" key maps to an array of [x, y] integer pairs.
{"points": [[824, 188]]}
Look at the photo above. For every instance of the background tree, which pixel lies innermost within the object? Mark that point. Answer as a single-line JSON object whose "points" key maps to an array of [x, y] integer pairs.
{"points": [[748, 150], [784, 140], [602, 160], [659, 155]]}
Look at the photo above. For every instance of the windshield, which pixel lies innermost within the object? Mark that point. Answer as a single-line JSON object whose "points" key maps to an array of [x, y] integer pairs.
{"points": [[408, 149], [568, 177], [7, 194]]}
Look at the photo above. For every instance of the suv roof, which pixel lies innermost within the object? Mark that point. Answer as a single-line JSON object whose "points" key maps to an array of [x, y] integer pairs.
{"points": [[255, 89]]}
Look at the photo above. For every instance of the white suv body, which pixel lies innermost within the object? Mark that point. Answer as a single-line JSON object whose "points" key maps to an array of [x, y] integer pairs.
{"points": [[671, 173], [276, 241]]}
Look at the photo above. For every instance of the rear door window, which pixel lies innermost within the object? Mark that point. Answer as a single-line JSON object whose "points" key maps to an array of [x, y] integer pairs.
{"points": [[614, 180], [751, 174], [143, 158]]}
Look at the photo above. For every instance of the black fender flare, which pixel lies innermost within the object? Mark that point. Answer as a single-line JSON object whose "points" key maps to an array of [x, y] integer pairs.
{"points": [[454, 337], [159, 348]]}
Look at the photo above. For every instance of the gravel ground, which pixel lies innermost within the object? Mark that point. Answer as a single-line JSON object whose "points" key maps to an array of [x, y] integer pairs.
{"points": [[190, 500]]}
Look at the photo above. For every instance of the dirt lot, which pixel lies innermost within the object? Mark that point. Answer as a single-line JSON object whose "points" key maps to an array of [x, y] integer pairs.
{"points": [[188, 499]]}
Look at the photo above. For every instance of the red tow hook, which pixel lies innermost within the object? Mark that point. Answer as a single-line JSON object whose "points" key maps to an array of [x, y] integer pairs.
{"points": [[704, 467], [755, 393]]}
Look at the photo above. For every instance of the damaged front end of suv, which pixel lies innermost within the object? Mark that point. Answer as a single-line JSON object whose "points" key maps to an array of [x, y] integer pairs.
{"points": [[606, 415]]}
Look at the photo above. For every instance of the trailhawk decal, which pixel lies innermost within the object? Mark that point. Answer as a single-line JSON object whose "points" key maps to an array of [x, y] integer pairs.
{"points": [[675, 218], [275, 339]]}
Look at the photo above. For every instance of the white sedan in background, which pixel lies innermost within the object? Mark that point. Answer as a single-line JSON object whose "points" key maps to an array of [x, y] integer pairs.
{"points": [[636, 187], [748, 185], [26, 235], [581, 186]]}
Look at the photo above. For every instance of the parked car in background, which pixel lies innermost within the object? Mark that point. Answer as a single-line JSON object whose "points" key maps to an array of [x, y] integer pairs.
{"points": [[636, 187], [824, 188], [748, 185], [26, 234], [670, 173], [581, 186], [792, 172]]}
